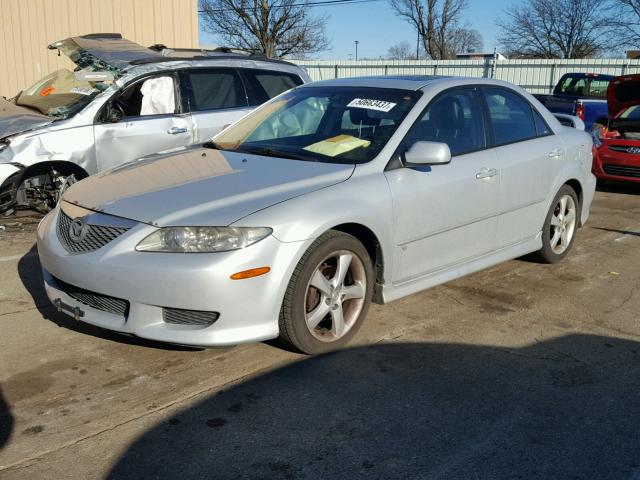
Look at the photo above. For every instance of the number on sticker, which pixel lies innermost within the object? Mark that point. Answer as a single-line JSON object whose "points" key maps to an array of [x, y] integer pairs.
{"points": [[370, 104]]}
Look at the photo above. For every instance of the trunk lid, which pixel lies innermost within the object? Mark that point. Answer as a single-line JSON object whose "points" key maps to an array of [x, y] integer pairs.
{"points": [[201, 187]]}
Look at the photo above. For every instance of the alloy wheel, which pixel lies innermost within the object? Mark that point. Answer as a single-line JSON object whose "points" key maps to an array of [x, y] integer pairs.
{"points": [[563, 224], [335, 295]]}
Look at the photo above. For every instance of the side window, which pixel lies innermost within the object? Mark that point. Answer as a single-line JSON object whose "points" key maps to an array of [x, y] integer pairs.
{"points": [[263, 85], [510, 115], [542, 129], [453, 118], [151, 96], [216, 89]]}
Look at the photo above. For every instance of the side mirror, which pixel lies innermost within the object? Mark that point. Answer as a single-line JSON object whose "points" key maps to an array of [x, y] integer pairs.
{"points": [[112, 114], [427, 153]]}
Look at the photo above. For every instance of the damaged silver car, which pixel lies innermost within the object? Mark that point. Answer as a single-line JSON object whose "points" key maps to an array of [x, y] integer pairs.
{"points": [[121, 102]]}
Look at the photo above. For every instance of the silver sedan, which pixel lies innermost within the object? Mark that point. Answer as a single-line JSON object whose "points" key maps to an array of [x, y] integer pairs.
{"points": [[333, 195]]}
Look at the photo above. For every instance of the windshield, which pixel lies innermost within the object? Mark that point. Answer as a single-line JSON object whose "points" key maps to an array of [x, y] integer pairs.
{"points": [[327, 124], [60, 94], [631, 113]]}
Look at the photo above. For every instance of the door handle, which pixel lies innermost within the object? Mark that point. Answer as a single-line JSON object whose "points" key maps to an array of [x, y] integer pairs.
{"points": [[176, 130], [486, 173], [555, 153]]}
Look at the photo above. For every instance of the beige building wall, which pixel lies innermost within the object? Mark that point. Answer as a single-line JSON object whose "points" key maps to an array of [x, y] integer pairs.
{"points": [[28, 26]]}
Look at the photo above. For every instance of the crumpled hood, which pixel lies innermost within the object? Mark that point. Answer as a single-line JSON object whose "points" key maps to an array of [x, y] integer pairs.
{"points": [[201, 186], [15, 119]]}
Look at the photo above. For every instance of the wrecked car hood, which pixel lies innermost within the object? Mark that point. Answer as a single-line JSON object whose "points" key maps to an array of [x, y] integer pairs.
{"points": [[201, 186], [15, 119], [623, 92]]}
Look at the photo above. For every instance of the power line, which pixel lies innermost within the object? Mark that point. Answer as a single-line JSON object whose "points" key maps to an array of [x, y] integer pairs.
{"points": [[308, 4]]}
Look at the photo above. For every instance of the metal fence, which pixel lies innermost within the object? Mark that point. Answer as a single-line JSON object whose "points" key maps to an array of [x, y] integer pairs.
{"points": [[537, 76]]}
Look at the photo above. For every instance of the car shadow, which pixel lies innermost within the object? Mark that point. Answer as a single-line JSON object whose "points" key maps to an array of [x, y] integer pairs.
{"points": [[622, 232], [30, 274], [565, 408], [610, 186], [6, 421]]}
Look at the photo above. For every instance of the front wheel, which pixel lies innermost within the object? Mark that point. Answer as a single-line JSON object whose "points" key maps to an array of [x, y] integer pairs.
{"points": [[560, 226], [328, 296]]}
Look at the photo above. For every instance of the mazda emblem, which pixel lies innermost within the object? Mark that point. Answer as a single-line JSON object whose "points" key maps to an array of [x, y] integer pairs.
{"points": [[78, 230]]}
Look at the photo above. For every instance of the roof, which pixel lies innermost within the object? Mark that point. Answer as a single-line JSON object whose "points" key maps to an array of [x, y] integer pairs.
{"points": [[401, 82]]}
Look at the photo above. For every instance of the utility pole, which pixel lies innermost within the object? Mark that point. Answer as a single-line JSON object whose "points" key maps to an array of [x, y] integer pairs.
{"points": [[419, 9], [356, 42]]}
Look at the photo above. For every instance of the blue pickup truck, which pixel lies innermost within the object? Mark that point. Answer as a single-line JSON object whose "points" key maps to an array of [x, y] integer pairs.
{"points": [[581, 94]]}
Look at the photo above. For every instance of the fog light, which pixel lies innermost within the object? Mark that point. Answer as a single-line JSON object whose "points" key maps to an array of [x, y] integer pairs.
{"points": [[254, 272]]}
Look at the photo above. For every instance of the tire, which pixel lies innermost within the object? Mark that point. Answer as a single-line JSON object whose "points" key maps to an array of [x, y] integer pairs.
{"points": [[558, 232], [312, 306]]}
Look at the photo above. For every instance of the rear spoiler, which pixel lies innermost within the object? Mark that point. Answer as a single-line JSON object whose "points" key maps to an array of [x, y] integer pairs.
{"points": [[570, 121]]}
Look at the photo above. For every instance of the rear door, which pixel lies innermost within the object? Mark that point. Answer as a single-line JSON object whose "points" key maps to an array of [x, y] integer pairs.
{"points": [[216, 98], [445, 215], [528, 153], [146, 117]]}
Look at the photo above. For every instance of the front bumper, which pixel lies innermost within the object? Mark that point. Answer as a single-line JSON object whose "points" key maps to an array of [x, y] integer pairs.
{"points": [[615, 165], [149, 281]]}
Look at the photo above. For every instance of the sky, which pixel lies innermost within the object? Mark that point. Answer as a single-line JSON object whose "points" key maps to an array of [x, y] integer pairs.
{"points": [[376, 27]]}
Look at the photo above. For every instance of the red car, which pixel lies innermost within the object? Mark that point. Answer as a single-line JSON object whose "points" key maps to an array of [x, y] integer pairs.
{"points": [[617, 144]]}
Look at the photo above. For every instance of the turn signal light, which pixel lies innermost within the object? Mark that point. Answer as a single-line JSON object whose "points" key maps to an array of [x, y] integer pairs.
{"points": [[254, 272]]}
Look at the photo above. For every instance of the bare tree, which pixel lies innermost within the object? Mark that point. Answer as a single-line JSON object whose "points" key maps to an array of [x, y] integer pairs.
{"points": [[436, 22], [556, 28], [402, 51], [276, 28], [463, 40], [627, 22]]}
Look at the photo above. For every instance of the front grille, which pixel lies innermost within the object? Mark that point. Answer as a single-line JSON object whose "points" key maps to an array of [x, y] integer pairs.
{"points": [[96, 236], [178, 316], [631, 149], [622, 170], [108, 304]]}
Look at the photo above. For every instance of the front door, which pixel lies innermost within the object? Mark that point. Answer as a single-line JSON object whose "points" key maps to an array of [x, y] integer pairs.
{"points": [[217, 98], [145, 118], [445, 215]]}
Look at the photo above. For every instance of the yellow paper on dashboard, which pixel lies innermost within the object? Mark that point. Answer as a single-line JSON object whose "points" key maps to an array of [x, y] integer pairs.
{"points": [[336, 145]]}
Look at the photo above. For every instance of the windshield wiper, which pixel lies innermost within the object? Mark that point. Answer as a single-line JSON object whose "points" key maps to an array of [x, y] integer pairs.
{"points": [[271, 152]]}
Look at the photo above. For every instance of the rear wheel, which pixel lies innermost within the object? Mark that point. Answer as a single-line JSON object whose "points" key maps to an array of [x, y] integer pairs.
{"points": [[560, 226], [328, 296]]}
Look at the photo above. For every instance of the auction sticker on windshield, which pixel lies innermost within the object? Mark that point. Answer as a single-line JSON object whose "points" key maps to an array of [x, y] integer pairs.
{"points": [[370, 104]]}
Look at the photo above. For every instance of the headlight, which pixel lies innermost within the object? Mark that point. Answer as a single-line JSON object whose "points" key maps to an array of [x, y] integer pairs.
{"points": [[3, 146], [202, 239]]}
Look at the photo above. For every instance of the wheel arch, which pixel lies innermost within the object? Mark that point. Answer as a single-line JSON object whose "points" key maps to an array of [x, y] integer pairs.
{"points": [[577, 187], [370, 240], [65, 167]]}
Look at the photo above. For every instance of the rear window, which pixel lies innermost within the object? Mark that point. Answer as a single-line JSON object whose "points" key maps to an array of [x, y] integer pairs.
{"points": [[263, 85], [583, 86], [598, 88], [216, 89]]}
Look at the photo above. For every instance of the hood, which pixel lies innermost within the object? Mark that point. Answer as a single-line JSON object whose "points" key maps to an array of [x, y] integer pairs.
{"points": [[201, 186], [623, 92], [15, 119]]}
